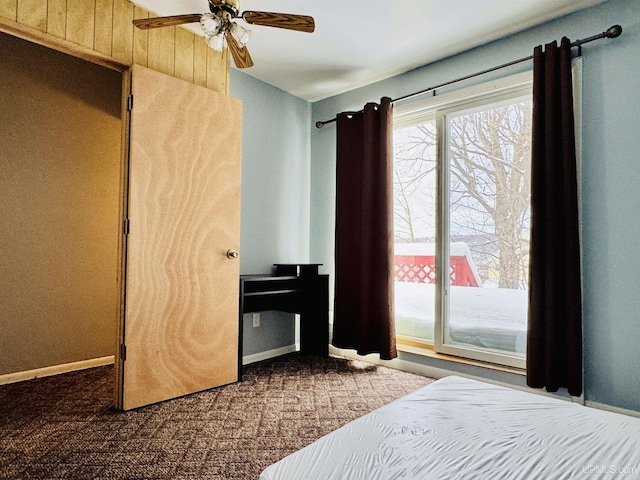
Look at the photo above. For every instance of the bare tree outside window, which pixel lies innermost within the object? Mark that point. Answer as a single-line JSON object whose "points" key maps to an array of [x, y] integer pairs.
{"points": [[414, 183], [490, 155], [489, 162]]}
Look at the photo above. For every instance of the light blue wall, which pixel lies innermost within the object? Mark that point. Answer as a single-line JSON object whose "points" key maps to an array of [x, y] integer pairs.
{"points": [[610, 192], [289, 186], [275, 194], [275, 175]]}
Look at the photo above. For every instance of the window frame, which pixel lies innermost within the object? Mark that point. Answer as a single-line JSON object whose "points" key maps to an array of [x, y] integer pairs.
{"points": [[442, 313], [438, 107]]}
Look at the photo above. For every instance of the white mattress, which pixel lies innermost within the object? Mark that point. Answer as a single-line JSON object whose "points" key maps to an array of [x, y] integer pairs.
{"points": [[457, 428]]}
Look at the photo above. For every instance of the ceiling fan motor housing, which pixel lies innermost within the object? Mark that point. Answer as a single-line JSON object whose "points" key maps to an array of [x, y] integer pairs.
{"points": [[232, 7]]}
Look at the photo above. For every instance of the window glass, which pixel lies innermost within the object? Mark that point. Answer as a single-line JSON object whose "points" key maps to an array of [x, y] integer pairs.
{"points": [[415, 229], [488, 162], [462, 205]]}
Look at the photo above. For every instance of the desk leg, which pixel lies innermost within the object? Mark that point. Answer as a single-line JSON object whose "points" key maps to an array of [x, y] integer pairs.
{"points": [[314, 318], [240, 330]]}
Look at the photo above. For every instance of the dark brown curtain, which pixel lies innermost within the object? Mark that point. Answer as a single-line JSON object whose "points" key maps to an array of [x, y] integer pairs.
{"points": [[554, 340], [363, 310]]}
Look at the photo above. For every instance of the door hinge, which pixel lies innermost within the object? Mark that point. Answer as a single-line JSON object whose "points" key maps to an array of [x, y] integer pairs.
{"points": [[130, 102], [123, 351], [126, 226]]}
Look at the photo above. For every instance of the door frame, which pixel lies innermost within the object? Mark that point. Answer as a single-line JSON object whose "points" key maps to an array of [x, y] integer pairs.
{"points": [[120, 354], [36, 36]]}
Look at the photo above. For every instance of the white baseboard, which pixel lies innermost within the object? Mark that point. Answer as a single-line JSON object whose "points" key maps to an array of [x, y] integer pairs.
{"points": [[609, 408], [398, 364], [55, 370], [258, 357], [432, 372]]}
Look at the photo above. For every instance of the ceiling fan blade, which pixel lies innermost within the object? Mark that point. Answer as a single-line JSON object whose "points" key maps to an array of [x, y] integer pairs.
{"points": [[155, 22], [240, 54], [301, 23]]}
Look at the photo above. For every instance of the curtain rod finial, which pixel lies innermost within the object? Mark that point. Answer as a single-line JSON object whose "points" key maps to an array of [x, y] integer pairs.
{"points": [[613, 32], [319, 124]]}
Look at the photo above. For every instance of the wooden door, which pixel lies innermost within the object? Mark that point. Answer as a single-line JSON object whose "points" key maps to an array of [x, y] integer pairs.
{"points": [[179, 322]]}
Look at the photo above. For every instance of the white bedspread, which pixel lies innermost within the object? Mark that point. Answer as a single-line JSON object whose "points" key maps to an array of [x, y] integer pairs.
{"points": [[457, 428]]}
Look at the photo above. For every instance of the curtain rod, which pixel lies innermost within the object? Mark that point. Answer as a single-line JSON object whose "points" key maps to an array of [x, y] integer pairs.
{"points": [[611, 32]]}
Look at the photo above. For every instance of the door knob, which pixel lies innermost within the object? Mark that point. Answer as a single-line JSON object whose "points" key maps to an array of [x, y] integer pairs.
{"points": [[232, 254]]}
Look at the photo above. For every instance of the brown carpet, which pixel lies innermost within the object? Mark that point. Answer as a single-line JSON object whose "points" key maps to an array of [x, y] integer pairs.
{"points": [[65, 427]]}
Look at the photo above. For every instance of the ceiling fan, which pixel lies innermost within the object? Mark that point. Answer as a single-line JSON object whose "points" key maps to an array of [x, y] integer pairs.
{"points": [[221, 30]]}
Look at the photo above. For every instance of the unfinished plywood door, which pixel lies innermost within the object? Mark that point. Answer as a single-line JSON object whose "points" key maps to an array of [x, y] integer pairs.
{"points": [[179, 329]]}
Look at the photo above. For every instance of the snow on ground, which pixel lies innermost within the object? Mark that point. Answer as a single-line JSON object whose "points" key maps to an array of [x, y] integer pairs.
{"points": [[490, 318]]}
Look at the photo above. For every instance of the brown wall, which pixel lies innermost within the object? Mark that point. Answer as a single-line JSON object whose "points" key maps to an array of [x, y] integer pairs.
{"points": [[59, 207]]}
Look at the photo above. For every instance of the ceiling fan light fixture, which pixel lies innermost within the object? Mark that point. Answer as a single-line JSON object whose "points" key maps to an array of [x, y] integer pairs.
{"points": [[210, 23], [217, 41], [241, 34], [220, 31]]}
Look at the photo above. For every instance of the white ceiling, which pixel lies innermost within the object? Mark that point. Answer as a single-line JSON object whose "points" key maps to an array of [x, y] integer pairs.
{"points": [[358, 42]]}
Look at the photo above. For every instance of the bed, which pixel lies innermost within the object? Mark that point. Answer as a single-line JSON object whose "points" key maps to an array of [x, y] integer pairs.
{"points": [[456, 428]]}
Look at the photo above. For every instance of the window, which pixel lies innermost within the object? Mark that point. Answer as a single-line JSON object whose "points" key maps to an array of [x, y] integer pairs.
{"points": [[462, 206]]}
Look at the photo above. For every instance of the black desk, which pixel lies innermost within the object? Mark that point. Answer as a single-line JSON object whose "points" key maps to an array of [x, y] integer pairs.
{"points": [[294, 288]]}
